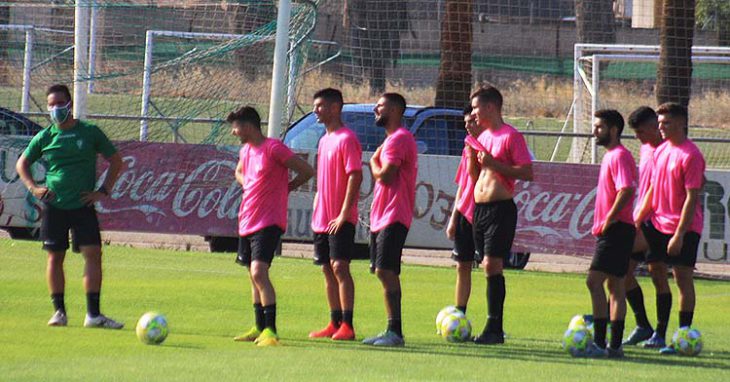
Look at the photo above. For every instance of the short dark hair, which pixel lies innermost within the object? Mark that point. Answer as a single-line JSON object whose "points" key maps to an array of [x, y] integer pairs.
{"points": [[331, 95], [59, 88], [641, 116], [245, 114], [396, 99], [612, 118], [467, 109], [673, 109], [488, 94]]}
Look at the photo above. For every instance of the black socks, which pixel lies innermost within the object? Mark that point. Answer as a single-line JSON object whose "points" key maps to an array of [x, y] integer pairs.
{"points": [[496, 292]]}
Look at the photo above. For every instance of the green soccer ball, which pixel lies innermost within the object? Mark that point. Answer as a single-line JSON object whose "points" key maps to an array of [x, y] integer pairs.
{"points": [[576, 341], [687, 341], [456, 327], [442, 314], [152, 328]]}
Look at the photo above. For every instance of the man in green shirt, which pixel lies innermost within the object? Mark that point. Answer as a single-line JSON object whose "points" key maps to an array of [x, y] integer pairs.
{"points": [[70, 147]]}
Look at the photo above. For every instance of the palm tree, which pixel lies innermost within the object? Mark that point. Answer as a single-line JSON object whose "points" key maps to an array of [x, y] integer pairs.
{"points": [[454, 81], [674, 72]]}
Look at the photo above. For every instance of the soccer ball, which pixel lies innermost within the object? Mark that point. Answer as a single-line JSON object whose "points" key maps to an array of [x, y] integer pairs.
{"points": [[584, 321], [152, 328], [687, 341], [442, 314], [456, 327], [575, 341]]}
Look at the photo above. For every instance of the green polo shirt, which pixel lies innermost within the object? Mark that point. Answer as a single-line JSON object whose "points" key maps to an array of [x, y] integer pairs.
{"points": [[71, 158]]}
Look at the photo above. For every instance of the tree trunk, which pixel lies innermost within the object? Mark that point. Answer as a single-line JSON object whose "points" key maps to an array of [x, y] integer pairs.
{"points": [[674, 71], [595, 21], [454, 81], [375, 28]]}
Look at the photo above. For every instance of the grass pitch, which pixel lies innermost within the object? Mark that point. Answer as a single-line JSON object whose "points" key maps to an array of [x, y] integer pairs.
{"points": [[206, 298]]}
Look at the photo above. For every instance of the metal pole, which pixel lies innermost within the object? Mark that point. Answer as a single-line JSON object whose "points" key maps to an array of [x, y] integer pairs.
{"points": [[27, 64], [81, 49], [278, 77], [146, 81], [92, 44], [595, 74]]}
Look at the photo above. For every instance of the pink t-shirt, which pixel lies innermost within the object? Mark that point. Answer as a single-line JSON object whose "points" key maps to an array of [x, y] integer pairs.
{"points": [[394, 202], [618, 171], [508, 146], [339, 154], [465, 204], [265, 186], [646, 164], [676, 169]]}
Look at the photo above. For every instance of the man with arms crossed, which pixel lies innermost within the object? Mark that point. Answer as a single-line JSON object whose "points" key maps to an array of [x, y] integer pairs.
{"points": [[394, 168], [70, 147], [613, 227], [460, 229], [644, 123], [495, 214], [339, 174], [263, 172], [672, 206]]}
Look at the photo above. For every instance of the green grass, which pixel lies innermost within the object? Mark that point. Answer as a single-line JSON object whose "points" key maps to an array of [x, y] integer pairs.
{"points": [[206, 299]]}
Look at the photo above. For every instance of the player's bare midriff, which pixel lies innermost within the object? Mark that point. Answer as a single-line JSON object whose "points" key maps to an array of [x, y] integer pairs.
{"points": [[490, 187]]}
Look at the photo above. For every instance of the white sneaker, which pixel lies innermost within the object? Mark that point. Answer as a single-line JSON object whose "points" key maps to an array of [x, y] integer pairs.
{"points": [[102, 321], [58, 319]]}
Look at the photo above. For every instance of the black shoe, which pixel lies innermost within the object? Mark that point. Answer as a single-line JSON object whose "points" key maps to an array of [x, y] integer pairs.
{"points": [[489, 338]]}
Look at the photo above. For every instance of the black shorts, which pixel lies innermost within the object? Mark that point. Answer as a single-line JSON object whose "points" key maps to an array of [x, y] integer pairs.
{"points": [[386, 247], [639, 257], [464, 241], [56, 223], [340, 246], [494, 228], [259, 246], [614, 249], [659, 241]]}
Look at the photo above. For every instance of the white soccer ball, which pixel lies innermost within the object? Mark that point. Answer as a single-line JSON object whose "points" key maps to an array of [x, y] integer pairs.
{"points": [[456, 328], [152, 328], [576, 341], [442, 314], [687, 341]]}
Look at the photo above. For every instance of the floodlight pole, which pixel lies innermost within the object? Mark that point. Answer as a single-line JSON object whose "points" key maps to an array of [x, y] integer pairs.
{"points": [[27, 64], [93, 31], [278, 75], [81, 50]]}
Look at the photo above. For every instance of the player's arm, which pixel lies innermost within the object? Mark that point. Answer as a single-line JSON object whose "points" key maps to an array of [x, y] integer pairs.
{"points": [[451, 227], [385, 173], [354, 180], [645, 206], [22, 167], [239, 173], [115, 166], [685, 220], [472, 166], [303, 170], [622, 199]]}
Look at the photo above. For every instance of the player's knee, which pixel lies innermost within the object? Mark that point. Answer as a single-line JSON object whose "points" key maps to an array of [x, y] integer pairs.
{"points": [[55, 259], [341, 269]]}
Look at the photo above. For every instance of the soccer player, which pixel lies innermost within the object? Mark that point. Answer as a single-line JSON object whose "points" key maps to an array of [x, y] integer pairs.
{"points": [[505, 159], [339, 174], [263, 172], [459, 229], [394, 166], [613, 227], [645, 125], [70, 147], [672, 205]]}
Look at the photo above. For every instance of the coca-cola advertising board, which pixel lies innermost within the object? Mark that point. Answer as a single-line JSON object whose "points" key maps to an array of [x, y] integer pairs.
{"points": [[190, 189]]}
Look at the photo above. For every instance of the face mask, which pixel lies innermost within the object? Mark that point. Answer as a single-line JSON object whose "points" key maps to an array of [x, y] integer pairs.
{"points": [[59, 114]]}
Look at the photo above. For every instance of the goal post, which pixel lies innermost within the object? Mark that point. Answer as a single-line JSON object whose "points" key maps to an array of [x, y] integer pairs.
{"points": [[592, 78]]}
